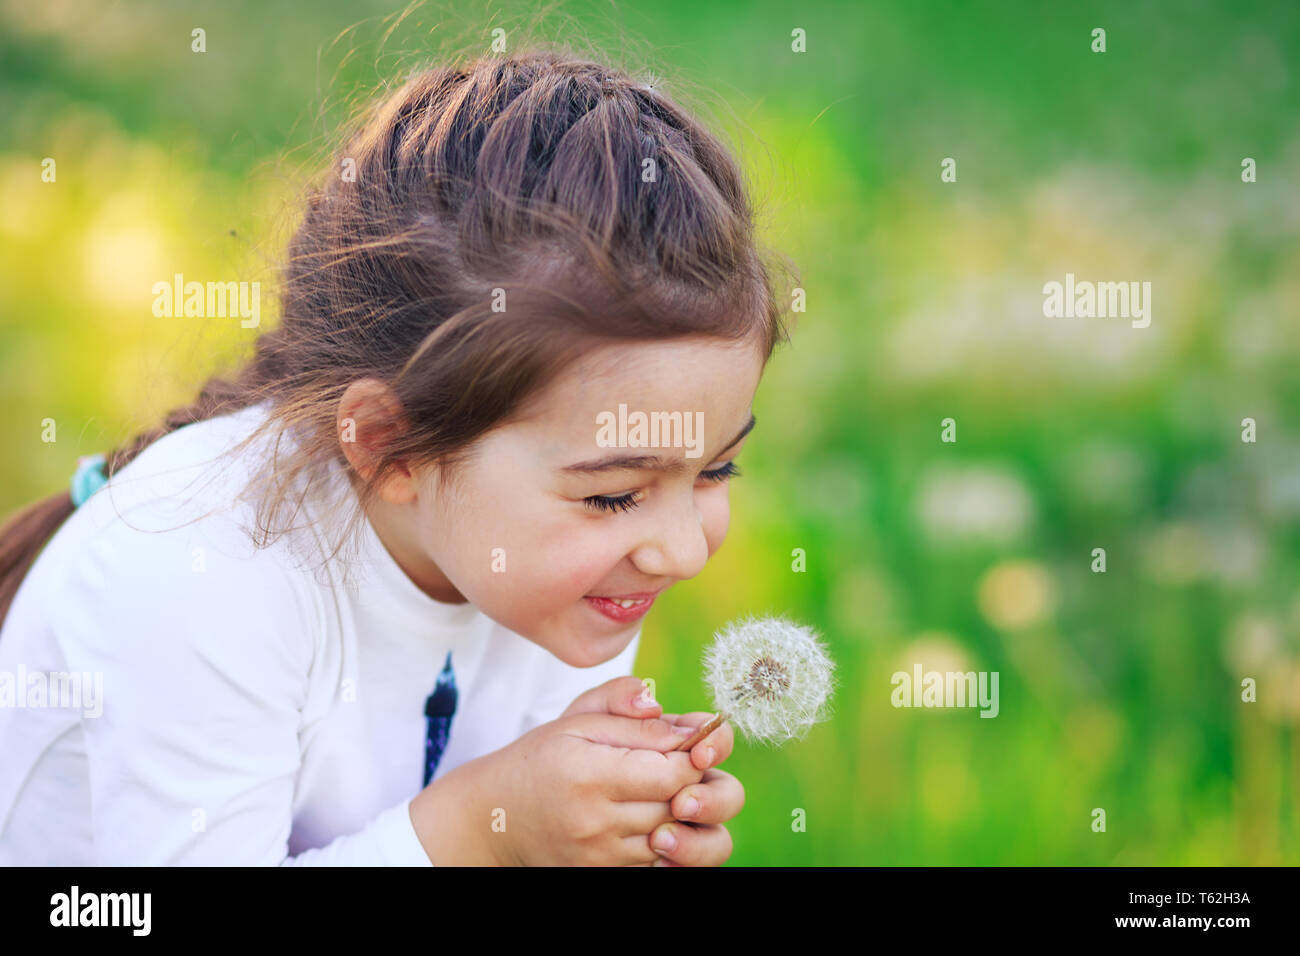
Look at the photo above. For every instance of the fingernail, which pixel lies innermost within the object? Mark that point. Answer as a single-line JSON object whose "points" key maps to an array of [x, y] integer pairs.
{"points": [[665, 841], [708, 756], [690, 807], [681, 731], [646, 700]]}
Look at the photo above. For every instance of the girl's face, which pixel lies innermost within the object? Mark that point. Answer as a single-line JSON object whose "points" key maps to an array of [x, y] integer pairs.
{"points": [[551, 523]]}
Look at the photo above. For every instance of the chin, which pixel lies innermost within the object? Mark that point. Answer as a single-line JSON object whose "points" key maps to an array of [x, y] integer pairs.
{"points": [[576, 646], [561, 642], [590, 652], [581, 657]]}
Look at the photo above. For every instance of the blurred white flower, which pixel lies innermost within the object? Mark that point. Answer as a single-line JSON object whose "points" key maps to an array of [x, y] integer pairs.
{"points": [[1253, 644], [770, 677], [976, 501]]}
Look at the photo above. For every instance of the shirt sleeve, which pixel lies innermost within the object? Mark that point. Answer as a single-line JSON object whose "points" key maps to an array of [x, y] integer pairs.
{"points": [[388, 840], [205, 658]]}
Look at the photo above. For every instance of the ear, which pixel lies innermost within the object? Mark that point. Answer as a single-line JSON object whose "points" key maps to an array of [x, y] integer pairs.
{"points": [[369, 416]]}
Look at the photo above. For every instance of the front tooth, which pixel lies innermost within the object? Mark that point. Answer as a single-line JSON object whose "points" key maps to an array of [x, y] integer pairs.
{"points": [[626, 603]]}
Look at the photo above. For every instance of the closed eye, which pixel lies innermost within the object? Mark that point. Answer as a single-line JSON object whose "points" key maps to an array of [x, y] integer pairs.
{"points": [[627, 502]]}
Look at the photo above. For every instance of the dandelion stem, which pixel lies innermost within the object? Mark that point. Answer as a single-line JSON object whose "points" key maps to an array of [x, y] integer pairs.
{"points": [[707, 728]]}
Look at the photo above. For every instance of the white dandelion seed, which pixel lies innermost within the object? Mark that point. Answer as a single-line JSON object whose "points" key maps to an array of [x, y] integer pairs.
{"points": [[770, 677]]}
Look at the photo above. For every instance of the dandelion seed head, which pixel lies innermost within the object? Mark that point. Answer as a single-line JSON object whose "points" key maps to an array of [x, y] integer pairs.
{"points": [[770, 676]]}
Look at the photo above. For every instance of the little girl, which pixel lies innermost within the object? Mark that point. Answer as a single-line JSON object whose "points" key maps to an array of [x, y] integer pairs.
{"points": [[375, 600]]}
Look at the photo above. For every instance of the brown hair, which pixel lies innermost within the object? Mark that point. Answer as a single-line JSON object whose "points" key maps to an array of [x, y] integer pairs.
{"points": [[507, 213]]}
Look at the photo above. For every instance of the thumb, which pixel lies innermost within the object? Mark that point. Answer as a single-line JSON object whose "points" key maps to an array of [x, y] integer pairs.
{"points": [[621, 696]]}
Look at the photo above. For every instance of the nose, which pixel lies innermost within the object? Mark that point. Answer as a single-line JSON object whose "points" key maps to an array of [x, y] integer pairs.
{"points": [[676, 545]]}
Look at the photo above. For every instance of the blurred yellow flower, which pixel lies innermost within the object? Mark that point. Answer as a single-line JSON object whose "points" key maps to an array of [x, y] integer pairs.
{"points": [[934, 651], [1016, 594]]}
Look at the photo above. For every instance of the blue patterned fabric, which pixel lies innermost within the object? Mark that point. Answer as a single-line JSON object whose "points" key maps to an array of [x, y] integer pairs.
{"points": [[438, 711]]}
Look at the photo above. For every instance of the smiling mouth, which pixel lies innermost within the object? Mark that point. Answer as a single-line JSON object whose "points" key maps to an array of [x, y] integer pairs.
{"points": [[624, 608], [624, 602]]}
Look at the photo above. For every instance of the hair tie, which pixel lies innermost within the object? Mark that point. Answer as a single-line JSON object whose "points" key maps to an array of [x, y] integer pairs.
{"points": [[88, 478]]}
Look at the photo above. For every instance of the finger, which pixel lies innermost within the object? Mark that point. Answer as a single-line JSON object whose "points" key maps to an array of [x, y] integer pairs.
{"points": [[647, 733], [628, 851], [721, 741], [647, 775], [639, 817], [691, 845], [635, 759], [717, 798], [635, 850], [692, 720], [625, 696], [714, 748]]}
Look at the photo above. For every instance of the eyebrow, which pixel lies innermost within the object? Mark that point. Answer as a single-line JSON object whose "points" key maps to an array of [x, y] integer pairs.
{"points": [[645, 462]]}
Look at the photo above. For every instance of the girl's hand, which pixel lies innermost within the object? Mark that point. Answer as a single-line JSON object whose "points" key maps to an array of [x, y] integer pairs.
{"points": [[700, 839], [702, 807], [582, 790]]}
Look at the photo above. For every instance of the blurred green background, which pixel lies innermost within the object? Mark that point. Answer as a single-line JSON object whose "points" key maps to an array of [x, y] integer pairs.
{"points": [[1119, 690]]}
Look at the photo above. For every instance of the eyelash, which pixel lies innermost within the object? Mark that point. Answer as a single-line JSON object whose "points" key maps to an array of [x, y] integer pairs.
{"points": [[627, 502]]}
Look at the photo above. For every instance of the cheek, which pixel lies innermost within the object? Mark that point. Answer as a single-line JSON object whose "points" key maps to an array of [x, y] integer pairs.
{"points": [[485, 548], [553, 562], [577, 559], [716, 513]]}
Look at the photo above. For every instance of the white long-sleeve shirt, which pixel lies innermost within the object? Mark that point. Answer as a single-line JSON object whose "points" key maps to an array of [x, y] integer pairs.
{"points": [[254, 708]]}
